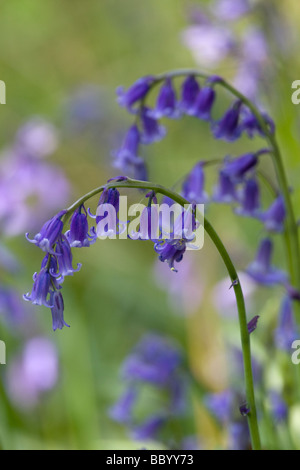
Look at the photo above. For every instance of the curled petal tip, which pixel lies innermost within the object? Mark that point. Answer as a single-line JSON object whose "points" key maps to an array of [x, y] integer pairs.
{"points": [[29, 239], [90, 213]]}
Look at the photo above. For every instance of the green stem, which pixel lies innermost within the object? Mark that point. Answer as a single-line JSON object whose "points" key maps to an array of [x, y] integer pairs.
{"points": [[291, 237], [245, 338], [291, 228]]}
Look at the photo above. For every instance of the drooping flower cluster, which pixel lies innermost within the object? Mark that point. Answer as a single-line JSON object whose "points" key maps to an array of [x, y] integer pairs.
{"points": [[238, 184], [239, 178], [195, 99], [155, 363], [58, 260]]}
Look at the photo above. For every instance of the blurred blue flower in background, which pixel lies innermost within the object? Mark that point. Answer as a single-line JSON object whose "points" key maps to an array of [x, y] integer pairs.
{"points": [[279, 407], [250, 199], [33, 372], [214, 36], [25, 179], [230, 10], [261, 269], [85, 108], [274, 217], [225, 406], [220, 405], [155, 362], [286, 331], [193, 186]]}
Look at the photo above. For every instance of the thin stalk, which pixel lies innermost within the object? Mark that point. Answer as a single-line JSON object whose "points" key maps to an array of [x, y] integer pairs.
{"points": [[291, 228], [291, 237], [244, 334]]}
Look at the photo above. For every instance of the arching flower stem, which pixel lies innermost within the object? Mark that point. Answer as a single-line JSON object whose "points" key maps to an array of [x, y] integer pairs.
{"points": [[244, 334], [291, 229]]}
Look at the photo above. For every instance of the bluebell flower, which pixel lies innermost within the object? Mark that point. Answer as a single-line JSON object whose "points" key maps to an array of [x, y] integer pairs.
{"points": [[239, 436], [166, 104], [279, 407], [209, 43], [85, 109], [135, 93], [189, 92], [149, 225], [127, 155], [112, 225], [32, 373], [49, 233], [228, 128], [204, 103], [154, 361], [12, 309], [223, 406], [149, 428], [167, 200], [254, 56], [49, 272], [286, 331], [49, 262], [152, 130], [166, 223], [274, 217], [250, 200], [261, 269], [237, 168], [78, 236], [193, 186], [251, 126], [177, 394], [122, 410], [230, 10], [64, 258], [171, 251], [225, 192], [41, 289], [247, 80], [108, 196], [57, 310], [173, 246], [36, 139], [220, 405]]}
